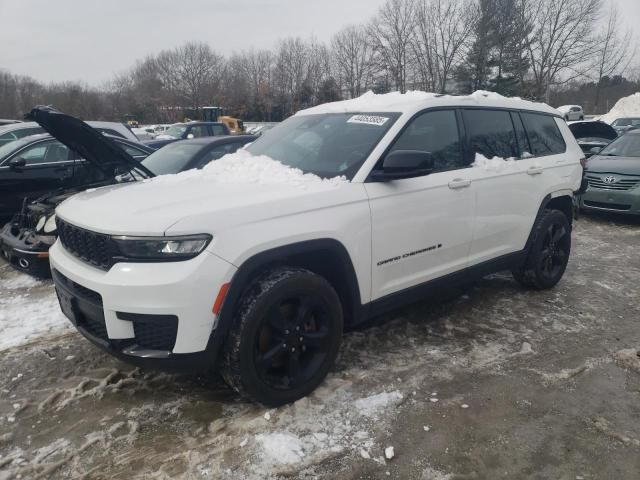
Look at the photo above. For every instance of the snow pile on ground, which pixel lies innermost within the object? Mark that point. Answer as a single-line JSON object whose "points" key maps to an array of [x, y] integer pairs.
{"points": [[625, 107], [28, 309], [371, 406], [495, 164], [242, 167], [280, 447]]}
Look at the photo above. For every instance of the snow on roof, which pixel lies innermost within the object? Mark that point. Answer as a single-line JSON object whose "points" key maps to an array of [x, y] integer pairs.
{"points": [[414, 101], [625, 107]]}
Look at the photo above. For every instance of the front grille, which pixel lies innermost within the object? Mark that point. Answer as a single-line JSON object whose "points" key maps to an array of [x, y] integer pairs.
{"points": [[77, 289], [154, 332], [94, 248], [88, 312], [620, 183], [608, 206]]}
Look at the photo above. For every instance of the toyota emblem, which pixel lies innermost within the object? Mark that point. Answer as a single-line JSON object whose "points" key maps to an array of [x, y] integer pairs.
{"points": [[610, 179]]}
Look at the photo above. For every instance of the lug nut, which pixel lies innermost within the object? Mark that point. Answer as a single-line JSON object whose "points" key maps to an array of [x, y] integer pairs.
{"points": [[284, 345], [286, 332], [298, 328], [293, 349], [301, 339]]}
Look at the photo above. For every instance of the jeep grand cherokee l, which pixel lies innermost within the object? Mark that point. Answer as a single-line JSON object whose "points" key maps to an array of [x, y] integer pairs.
{"points": [[259, 279]]}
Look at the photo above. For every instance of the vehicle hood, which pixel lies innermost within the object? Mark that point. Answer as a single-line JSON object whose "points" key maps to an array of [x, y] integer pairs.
{"points": [[592, 129], [90, 144], [619, 165], [161, 206]]}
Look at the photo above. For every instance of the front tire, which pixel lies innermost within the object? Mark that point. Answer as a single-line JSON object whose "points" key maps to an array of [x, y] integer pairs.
{"points": [[285, 337], [548, 253]]}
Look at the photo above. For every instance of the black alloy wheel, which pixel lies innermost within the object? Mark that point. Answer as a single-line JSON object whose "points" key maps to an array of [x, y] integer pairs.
{"points": [[285, 336]]}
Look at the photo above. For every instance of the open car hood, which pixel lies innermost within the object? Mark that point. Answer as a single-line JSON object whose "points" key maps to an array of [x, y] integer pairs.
{"points": [[593, 130], [89, 143]]}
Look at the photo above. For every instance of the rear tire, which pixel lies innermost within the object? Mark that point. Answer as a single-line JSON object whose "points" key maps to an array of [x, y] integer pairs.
{"points": [[548, 253], [285, 337]]}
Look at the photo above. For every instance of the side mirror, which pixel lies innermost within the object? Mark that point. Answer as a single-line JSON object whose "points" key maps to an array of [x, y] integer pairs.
{"points": [[17, 163], [190, 136], [404, 164], [595, 150]]}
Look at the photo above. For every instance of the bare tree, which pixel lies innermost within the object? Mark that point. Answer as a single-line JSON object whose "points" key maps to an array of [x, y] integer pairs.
{"points": [[615, 51], [562, 43], [353, 59], [443, 31], [200, 72], [391, 32], [290, 72]]}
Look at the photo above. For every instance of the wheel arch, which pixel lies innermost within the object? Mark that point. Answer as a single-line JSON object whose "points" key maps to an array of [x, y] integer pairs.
{"points": [[326, 257], [560, 200]]}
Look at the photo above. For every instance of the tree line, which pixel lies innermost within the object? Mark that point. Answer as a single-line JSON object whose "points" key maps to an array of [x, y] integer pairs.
{"points": [[539, 49]]}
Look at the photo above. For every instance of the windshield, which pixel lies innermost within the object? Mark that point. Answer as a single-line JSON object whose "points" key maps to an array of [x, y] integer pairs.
{"points": [[171, 159], [328, 145], [627, 146], [176, 130], [8, 148]]}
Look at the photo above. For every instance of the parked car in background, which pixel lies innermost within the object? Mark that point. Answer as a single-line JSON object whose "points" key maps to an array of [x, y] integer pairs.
{"points": [[35, 165], [7, 121], [592, 135], [260, 276], [571, 112], [9, 133], [623, 125], [184, 131], [55, 169], [196, 153], [613, 175]]}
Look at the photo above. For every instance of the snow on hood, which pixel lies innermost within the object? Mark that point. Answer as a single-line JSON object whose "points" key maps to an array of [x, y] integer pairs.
{"points": [[416, 100], [237, 188], [625, 107], [242, 167]]}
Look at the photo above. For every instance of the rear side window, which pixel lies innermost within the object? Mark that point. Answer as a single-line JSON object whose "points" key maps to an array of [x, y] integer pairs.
{"points": [[544, 135], [26, 132], [491, 133], [435, 132]]}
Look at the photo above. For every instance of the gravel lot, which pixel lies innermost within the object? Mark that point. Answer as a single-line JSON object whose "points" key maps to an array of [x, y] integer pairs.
{"points": [[494, 382]]}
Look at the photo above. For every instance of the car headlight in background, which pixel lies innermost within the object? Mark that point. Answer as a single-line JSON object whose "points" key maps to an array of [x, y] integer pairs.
{"points": [[50, 224], [41, 221], [161, 248]]}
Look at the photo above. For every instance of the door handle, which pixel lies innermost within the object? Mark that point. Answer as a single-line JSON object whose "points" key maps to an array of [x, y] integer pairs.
{"points": [[535, 170], [458, 183]]}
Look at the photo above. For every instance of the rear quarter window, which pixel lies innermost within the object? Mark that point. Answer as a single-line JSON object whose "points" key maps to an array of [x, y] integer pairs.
{"points": [[544, 135]]}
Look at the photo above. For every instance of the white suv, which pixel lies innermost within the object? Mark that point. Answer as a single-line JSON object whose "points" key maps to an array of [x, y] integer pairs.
{"points": [[260, 276]]}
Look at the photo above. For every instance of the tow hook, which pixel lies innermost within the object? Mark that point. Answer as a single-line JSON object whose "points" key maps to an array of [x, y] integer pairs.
{"points": [[24, 263]]}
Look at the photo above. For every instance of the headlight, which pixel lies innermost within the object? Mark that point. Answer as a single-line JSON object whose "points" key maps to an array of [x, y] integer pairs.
{"points": [[40, 224], [50, 224], [161, 248]]}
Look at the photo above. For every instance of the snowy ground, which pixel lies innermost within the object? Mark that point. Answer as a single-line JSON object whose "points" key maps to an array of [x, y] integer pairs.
{"points": [[494, 382]]}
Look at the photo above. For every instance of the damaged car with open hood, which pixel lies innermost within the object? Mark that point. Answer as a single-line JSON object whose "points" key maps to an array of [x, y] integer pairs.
{"points": [[91, 160]]}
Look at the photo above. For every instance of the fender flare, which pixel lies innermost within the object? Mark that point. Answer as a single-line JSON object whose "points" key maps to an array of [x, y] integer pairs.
{"points": [[261, 261]]}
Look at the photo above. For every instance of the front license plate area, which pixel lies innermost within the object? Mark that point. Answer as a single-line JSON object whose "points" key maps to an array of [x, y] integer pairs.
{"points": [[67, 305]]}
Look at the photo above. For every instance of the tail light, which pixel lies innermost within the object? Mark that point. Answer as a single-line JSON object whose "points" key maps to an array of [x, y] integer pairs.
{"points": [[583, 162]]}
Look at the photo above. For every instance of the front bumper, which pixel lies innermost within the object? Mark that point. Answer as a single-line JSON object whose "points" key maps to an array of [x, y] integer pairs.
{"points": [[156, 315], [625, 202], [18, 247]]}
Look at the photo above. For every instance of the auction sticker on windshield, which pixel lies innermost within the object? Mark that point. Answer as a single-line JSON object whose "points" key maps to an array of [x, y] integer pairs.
{"points": [[368, 120]]}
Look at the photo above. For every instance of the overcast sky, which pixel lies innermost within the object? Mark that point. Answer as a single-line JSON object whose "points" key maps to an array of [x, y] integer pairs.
{"points": [[90, 40]]}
